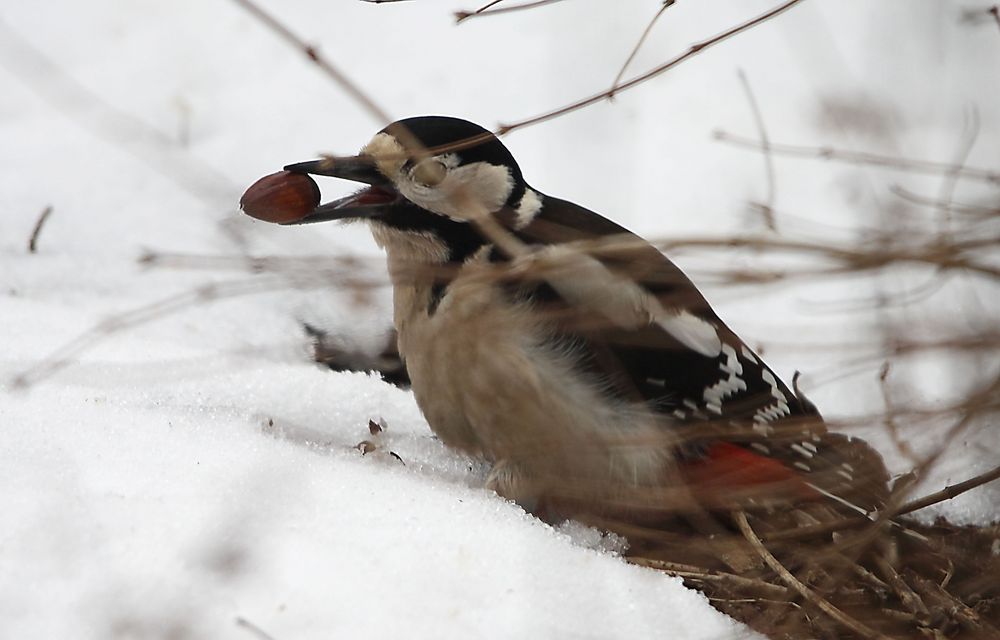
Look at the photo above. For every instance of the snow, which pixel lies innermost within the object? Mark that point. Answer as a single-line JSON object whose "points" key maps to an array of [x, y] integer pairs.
{"points": [[193, 468]]}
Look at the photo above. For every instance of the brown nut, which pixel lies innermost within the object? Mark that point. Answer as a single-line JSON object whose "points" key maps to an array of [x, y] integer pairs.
{"points": [[281, 197]]}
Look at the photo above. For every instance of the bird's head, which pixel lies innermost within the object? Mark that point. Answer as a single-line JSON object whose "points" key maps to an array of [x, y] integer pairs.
{"points": [[430, 173]]}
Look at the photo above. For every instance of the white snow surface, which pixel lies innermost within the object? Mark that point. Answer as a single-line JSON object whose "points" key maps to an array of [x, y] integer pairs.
{"points": [[194, 469]]}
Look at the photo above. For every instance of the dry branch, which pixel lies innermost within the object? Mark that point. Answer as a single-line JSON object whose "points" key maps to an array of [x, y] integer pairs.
{"points": [[692, 51], [950, 491], [250, 627], [67, 354], [119, 128], [793, 582], [756, 587], [638, 45], [862, 157], [767, 207], [981, 211], [485, 11], [331, 71], [950, 182]]}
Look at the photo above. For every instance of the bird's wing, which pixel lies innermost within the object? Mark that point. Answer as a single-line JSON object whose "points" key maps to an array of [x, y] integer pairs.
{"points": [[652, 333], [650, 336]]}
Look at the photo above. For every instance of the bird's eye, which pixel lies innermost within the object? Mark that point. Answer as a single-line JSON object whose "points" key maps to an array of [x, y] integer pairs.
{"points": [[429, 172]]}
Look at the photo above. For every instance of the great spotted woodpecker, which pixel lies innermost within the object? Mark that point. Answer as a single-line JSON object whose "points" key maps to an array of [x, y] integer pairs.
{"points": [[568, 351]]}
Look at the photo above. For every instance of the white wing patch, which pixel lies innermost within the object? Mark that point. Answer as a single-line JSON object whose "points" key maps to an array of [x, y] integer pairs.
{"points": [[585, 281], [776, 409], [691, 331], [527, 208], [726, 387], [802, 451]]}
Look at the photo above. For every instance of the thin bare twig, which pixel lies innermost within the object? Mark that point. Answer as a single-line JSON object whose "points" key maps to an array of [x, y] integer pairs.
{"points": [[977, 403], [890, 416], [461, 16], [950, 182], [945, 256], [483, 221], [91, 111], [860, 157], [950, 491], [33, 242], [968, 209], [699, 574], [903, 591], [934, 283], [335, 267], [318, 59], [638, 45], [692, 51], [943, 600], [767, 208], [65, 355], [251, 627], [786, 576]]}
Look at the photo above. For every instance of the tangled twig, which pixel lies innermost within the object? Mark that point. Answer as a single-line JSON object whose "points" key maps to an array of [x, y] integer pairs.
{"points": [[796, 584]]}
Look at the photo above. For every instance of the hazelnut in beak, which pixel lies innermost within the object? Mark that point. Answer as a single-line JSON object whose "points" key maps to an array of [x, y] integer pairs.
{"points": [[281, 197]]}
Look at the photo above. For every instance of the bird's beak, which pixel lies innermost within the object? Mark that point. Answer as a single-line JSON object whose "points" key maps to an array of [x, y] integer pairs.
{"points": [[370, 202]]}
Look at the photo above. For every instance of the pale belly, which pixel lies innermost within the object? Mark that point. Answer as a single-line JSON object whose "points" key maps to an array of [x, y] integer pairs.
{"points": [[488, 386]]}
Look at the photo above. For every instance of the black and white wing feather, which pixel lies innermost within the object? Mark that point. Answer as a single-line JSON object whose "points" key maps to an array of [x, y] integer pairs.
{"points": [[651, 331], [677, 356]]}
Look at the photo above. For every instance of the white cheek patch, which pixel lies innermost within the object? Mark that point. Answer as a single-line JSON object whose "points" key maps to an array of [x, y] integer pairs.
{"points": [[528, 208], [466, 192]]}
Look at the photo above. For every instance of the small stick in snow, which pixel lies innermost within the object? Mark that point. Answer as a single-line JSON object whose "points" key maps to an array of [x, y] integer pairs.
{"points": [[33, 242], [699, 574], [259, 633]]}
